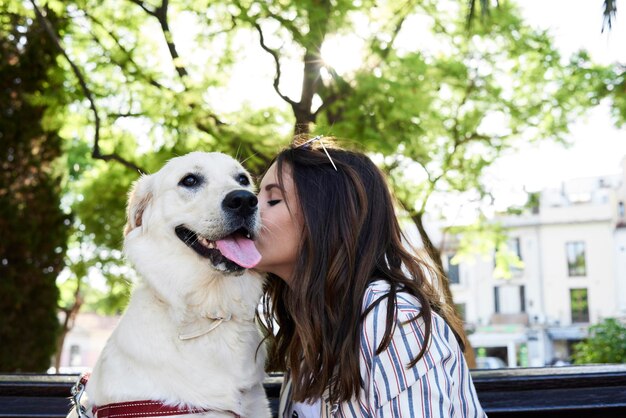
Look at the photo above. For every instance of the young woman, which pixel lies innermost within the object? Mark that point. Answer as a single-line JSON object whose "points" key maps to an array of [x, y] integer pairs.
{"points": [[361, 332]]}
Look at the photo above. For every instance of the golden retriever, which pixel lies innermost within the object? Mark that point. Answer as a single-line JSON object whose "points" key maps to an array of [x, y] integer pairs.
{"points": [[188, 338]]}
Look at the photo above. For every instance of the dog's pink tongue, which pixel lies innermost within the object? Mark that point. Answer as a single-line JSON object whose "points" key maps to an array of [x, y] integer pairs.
{"points": [[240, 250]]}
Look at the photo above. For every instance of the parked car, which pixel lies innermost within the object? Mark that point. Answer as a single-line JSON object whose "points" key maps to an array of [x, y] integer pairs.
{"points": [[490, 363]]}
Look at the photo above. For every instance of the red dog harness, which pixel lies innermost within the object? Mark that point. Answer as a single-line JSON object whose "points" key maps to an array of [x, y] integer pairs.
{"points": [[143, 409]]}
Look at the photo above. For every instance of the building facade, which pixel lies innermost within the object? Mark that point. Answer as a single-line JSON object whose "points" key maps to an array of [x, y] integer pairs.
{"points": [[85, 341], [573, 249]]}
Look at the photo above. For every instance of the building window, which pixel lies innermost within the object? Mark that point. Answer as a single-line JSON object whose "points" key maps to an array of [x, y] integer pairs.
{"points": [[496, 299], [579, 305], [453, 271], [515, 248], [576, 264], [522, 299], [75, 358], [460, 309]]}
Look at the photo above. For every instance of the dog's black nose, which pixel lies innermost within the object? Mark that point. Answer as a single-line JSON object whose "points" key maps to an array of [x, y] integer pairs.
{"points": [[240, 202]]}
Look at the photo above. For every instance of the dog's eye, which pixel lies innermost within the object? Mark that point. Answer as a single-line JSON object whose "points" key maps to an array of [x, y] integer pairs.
{"points": [[243, 180], [189, 180]]}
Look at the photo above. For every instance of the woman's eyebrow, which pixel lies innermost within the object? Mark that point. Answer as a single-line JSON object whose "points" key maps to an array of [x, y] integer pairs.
{"points": [[273, 185]]}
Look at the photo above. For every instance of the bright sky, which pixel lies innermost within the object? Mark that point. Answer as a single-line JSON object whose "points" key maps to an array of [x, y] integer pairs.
{"points": [[597, 147]]}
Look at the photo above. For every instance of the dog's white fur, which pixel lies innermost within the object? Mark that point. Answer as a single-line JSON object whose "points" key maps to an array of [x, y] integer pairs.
{"points": [[144, 358]]}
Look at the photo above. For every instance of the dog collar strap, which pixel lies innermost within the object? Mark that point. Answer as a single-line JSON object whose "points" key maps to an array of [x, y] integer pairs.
{"points": [[148, 409], [201, 327]]}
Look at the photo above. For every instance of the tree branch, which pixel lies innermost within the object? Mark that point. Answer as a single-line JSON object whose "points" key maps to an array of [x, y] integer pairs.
{"points": [[83, 84], [343, 91], [402, 13], [609, 13], [327, 102], [128, 55], [143, 6], [160, 13], [484, 8], [441, 279], [274, 55], [213, 34], [285, 23], [432, 181], [125, 115], [68, 322], [408, 8]]}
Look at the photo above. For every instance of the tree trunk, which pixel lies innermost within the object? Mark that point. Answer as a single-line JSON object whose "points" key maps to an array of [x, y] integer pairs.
{"points": [[68, 324], [303, 120], [310, 85], [443, 283]]}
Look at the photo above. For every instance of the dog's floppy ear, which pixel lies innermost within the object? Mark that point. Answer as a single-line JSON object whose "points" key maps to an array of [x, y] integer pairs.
{"points": [[139, 198]]}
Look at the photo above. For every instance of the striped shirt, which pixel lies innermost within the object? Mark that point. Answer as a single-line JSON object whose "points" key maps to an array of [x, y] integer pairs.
{"points": [[438, 386]]}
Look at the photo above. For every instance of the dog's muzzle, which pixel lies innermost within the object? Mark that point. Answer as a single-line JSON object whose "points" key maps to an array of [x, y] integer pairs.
{"points": [[235, 251]]}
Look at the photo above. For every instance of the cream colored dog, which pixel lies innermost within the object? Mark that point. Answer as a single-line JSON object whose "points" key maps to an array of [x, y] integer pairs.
{"points": [[188, 337]]}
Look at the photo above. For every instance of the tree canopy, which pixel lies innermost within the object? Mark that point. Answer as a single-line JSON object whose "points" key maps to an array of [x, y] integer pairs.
{"points": [[433, 100]]}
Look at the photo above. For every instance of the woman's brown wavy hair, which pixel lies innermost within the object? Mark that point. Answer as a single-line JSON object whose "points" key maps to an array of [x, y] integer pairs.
{"points": [[350, 238]]}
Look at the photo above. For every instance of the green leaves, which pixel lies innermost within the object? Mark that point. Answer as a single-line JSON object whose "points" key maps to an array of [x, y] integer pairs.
{"points": [[606, 344], [436, 104], [615, 88]]}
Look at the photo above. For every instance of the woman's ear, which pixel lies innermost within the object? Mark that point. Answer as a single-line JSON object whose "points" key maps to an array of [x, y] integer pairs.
{"points": [[139, 199]]}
